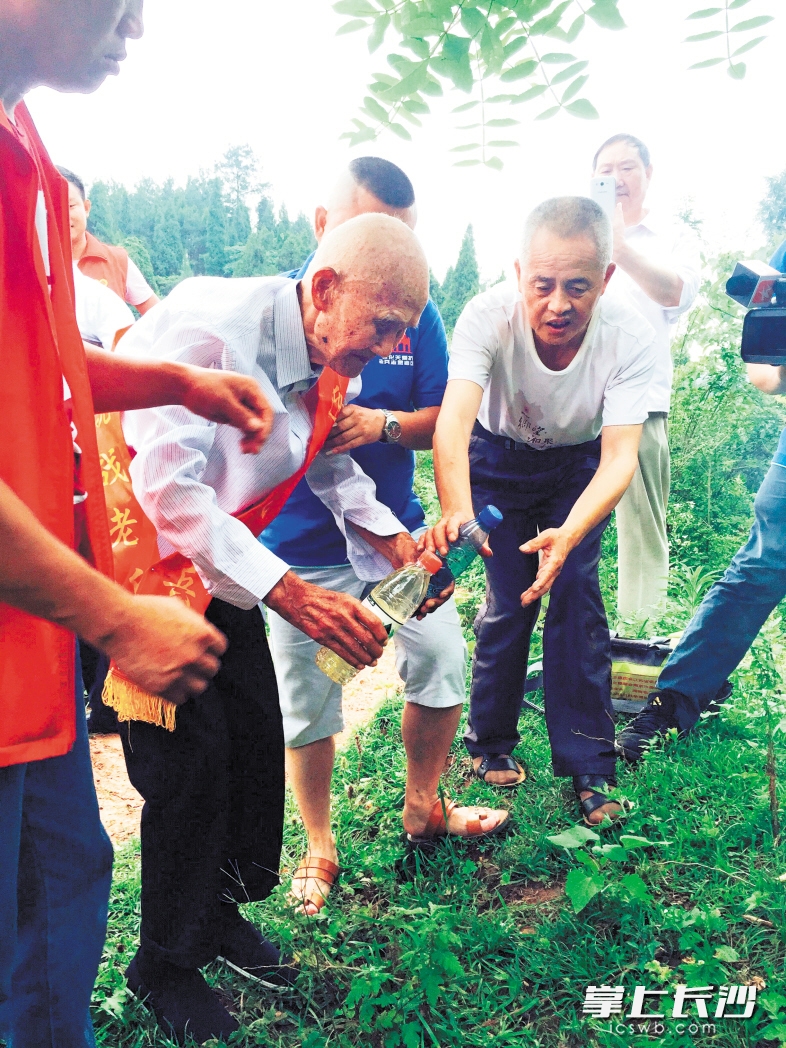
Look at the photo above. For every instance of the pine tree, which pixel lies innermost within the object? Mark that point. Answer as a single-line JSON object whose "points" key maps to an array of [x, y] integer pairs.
{"points": [[141, 256], [435, 290], [238, 173], [296, 241], [259, 256], [101, 222], [266, 218], [461, 283], [215, 257], [167, 253]]}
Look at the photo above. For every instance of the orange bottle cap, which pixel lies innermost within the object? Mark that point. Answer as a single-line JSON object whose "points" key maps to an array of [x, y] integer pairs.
{"points": [[430, 561]]}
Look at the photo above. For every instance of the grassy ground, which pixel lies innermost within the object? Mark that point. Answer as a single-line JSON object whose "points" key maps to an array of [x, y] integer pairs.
{"points": [[495, 945]]}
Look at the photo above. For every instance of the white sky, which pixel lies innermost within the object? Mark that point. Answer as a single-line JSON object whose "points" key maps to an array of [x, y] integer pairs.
{"points": [[209, 75]]}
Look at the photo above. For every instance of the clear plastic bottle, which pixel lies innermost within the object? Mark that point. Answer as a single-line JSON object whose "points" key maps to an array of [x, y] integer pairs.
{"points": [[393, 600], [463, 551]]}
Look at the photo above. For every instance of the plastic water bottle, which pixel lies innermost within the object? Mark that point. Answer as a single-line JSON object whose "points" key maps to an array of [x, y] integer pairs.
{"points": [[393, 600], [463, 551]]}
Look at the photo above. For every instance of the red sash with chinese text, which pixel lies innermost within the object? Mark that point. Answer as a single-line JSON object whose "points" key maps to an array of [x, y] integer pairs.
{"points": [[138, 564]]}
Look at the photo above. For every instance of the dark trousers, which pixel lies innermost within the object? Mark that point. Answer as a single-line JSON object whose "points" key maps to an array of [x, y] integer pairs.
{"points": [[214, 798], [536, 490], [55, 873]]}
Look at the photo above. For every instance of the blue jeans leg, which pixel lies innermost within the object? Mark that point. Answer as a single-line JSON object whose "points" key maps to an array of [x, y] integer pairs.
{"points": [[56, 873], [734, 610]]}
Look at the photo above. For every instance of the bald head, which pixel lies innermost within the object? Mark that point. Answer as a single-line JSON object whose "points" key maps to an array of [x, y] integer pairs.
{"points": [[367, 283], [370, 185]]}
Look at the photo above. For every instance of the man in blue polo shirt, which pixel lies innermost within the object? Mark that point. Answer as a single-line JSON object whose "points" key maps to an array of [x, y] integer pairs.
{"points": [[395, 413]]}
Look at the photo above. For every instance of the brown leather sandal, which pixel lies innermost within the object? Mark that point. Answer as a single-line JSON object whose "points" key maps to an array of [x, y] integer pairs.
{"points": [[437, 826], [319, 870]]}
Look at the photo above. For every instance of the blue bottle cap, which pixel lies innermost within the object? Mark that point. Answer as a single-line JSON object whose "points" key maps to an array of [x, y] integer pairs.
{"points": [[489, 517]]}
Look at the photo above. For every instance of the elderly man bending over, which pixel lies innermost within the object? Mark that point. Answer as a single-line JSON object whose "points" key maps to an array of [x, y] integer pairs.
{"points": [[214, 788], [547, 393]]}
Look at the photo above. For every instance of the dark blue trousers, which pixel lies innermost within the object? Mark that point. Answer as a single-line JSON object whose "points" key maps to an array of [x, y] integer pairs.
{"points": [[55, 874], [536, 490]]}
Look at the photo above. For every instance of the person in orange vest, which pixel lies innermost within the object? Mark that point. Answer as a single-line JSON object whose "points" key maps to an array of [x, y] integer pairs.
{"points": [[106, 263], [55, 858]]}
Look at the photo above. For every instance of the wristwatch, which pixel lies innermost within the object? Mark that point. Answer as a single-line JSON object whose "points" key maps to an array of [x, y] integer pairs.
{"points": [[391, 431]]}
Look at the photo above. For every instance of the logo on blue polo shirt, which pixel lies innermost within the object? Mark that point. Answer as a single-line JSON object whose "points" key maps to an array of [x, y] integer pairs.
{"points": [[402, 354]]}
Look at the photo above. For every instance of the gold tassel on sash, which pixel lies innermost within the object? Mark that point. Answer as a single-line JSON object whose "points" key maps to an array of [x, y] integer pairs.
{"points": [[138, 564], [131, 703]]}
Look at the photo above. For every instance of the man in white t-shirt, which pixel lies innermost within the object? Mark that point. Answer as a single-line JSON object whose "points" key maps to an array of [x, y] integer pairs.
{"points": [[658, 271], [547, 394]]}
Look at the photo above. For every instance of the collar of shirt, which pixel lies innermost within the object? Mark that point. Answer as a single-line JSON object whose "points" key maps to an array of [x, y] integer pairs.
{"points": [[586, 342], [293, 366], [94, 249]]}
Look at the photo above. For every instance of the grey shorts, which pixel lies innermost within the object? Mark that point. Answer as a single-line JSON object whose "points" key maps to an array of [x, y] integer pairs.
{"points": [[431, 658]]}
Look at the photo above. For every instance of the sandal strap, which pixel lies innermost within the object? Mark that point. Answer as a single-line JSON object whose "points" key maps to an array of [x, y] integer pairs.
{"points": [[436, 821], [597, 800], [496, 762], [319, 869], [473, 826], [597, 785]]}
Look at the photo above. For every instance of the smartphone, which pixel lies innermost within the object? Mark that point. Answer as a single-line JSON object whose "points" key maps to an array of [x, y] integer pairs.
{"points": [[603, 191]]}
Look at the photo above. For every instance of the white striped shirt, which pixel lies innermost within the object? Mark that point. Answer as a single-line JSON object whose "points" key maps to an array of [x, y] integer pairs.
{"points": [[190, 474]]}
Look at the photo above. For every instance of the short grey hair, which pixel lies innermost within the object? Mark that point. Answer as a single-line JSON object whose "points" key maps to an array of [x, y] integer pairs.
{"points": [[568, 217]]}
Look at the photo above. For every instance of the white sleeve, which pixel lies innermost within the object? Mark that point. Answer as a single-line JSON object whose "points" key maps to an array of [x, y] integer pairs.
{"points": [[137, 288], [473, 346], [686, 260], [351, 496], [100, 313], [626, 398], [172, 447]]}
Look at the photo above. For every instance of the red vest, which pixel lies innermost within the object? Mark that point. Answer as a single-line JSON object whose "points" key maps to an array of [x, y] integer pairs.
{"points": [[106, 264], [39, 344]]}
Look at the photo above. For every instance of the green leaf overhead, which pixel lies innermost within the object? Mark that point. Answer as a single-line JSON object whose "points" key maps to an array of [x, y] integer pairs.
{"points": [[475, 46]]}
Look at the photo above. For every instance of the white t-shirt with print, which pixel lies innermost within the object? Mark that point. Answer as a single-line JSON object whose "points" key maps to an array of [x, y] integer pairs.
{"points": [[606, 383]]}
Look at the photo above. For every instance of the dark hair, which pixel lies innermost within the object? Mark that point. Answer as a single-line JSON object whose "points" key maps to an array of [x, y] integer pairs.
{"points": [[629, 140], [387, 182], [75, 180]]}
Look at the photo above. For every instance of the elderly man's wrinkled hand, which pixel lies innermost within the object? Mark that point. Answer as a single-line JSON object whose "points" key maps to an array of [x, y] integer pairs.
{"points": [[554, 546], [355, 426], [232, 400], [333, 619]]}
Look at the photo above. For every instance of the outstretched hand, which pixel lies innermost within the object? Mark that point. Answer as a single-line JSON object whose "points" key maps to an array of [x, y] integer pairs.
{"points": [[331, 618], [232, 400], [555, 546]]}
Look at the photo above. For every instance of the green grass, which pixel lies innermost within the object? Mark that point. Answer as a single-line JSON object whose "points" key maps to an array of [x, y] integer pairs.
{"points": [[481, 945]]}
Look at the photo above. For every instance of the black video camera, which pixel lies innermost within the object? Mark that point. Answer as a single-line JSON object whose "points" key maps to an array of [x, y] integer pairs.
{"points": [[762, 290]]}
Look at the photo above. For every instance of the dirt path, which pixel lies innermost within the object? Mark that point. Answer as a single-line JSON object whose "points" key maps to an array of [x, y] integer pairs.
{"points": [[121, 805]]}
